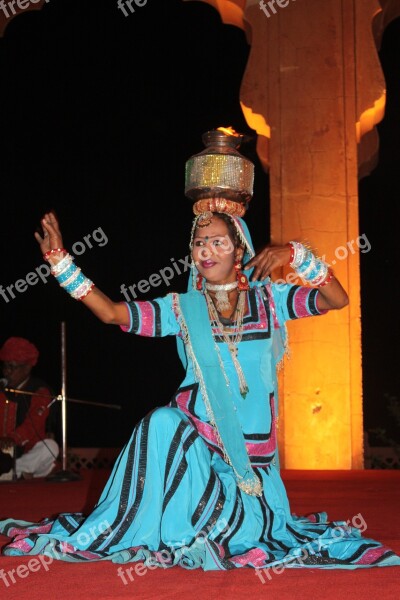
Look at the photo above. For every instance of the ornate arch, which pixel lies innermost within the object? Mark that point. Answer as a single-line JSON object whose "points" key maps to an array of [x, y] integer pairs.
{"points": [[371, 19]]}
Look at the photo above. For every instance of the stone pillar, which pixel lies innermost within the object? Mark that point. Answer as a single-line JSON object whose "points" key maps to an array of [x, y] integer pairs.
{"points": [[313, 87]]}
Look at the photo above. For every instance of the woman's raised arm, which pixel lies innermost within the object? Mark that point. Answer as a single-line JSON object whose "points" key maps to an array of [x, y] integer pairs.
{"points": [[51, 245]]}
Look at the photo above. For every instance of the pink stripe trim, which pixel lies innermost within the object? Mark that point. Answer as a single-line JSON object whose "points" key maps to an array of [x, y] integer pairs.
{"points": [[272, 305], [372, 555], [21, 545], [207, 431], [312, 518], [255, 556], [300, 302], [147, 318], [14, 531]]}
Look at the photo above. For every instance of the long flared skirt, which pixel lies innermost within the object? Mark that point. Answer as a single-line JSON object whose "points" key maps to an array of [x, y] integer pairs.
{"points": [[170, 500]]}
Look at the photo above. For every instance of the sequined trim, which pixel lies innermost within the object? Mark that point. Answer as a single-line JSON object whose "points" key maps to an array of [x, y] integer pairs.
{"points": [[136, 468], [176, 440], [181, 469], [147, 318], [249, 486], [312, 303], [184, 401], [144, 318], [301, 302], [256, 322], [234, 523]]}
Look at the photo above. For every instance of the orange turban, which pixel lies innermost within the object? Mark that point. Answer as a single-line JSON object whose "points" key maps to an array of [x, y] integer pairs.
{"points": [[19, 350]]}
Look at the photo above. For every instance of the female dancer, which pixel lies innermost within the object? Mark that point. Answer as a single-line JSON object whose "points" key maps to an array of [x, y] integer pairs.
{"points": [[198, 483]]}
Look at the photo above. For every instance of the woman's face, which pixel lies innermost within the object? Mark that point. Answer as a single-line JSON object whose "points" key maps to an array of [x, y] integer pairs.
{"points": [[214, 253]]}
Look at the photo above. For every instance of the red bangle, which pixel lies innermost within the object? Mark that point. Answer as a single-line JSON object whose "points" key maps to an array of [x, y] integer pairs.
{"points": [[330, 275], [291, 252], [47, 254]]}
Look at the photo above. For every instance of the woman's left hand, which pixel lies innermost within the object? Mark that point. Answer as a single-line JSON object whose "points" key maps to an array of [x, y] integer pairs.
{"points": [[268, 259], [52, 238]]}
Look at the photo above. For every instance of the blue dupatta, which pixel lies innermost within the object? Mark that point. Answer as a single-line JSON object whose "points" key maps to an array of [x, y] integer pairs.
{"points": [[198, 343]]}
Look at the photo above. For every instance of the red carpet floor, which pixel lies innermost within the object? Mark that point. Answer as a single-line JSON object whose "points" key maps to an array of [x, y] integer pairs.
{"points": [[370, 497]]}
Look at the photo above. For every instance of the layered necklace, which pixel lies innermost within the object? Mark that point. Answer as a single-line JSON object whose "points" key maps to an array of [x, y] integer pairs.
{"points": [[230, 337], [221, 294]]}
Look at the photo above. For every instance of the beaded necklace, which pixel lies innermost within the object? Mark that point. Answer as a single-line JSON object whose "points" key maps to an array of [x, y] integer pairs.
{"points": [[221, 295], [230, 340]]}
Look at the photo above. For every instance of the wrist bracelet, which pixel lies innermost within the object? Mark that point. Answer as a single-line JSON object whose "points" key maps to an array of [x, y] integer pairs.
{"points": [[84, 290], [71, 278], [49, 253], [291, 246], [299, 254], [61, 266], [328, 279], [311, 269], [320, 278], [65, 273]]}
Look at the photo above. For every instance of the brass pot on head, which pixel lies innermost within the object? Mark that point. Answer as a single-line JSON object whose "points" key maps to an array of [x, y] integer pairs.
{"points": [[220, 170]]}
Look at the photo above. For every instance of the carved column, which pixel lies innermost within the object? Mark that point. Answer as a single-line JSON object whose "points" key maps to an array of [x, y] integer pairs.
{"points": [[313, 87]]}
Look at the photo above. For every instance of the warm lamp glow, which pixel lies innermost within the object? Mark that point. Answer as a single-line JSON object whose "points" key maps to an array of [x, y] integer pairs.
{"points": [[371, 117], [256, 121], [228, 131], [314, 195]]}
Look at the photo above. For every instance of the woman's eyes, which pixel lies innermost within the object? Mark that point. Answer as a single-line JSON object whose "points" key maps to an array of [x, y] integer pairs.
{"points": [[217, 242]]}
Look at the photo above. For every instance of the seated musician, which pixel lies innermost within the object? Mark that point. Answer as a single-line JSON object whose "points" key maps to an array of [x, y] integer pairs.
{"points": [[26, 445]]}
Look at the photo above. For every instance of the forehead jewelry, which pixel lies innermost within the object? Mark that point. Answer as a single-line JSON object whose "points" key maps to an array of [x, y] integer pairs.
{"points": [[204, 219]]}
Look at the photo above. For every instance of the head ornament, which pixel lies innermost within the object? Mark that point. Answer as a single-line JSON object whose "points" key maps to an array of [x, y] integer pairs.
{"points": [[220, 172]]}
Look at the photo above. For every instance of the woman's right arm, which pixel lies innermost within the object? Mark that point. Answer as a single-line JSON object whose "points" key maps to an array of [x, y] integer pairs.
{"points": [[113, 313]]}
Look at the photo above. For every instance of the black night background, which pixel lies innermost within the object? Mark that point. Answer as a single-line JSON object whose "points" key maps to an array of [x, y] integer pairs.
{"points": [[99, 113]]}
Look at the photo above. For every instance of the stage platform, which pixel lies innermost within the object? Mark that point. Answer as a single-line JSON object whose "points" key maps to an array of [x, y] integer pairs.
{"points": [[370, 498]]}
